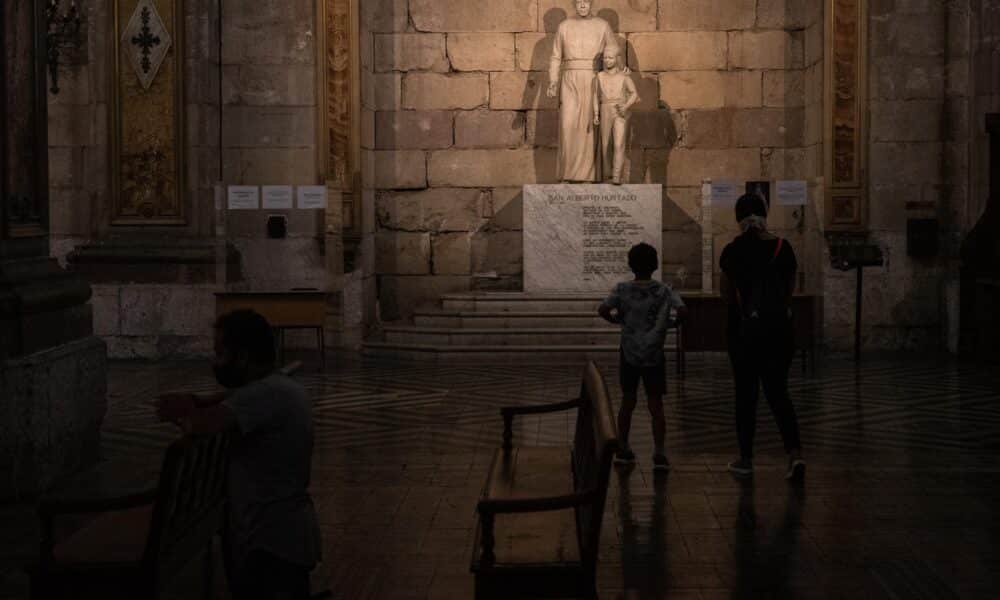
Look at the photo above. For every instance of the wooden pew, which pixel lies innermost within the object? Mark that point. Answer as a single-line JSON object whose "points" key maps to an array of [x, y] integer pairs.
{"points": [[142, 538], [541, 508]]}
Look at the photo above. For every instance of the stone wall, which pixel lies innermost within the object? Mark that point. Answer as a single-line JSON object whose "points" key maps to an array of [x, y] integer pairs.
{"points": [[250, 120], [361, 285], [269, 134], [80, 131], [461, 122], [79, 159], [926, 122], [984, 92]]}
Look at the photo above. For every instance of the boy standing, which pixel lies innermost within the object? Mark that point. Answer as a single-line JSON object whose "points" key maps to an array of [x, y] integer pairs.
{"points": [[642, 308]]}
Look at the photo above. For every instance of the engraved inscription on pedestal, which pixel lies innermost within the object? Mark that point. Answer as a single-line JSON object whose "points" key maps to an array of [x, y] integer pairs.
{"points": [[577, 237]]}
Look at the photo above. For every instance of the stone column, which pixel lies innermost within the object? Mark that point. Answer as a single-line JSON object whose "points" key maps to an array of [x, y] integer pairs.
{"points": [[52, 369]]}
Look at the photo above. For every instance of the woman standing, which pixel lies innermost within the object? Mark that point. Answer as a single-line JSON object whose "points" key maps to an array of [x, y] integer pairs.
{"points": [[758, 280]]}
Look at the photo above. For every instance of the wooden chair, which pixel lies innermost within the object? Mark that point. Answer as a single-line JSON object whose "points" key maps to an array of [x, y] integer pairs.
{"points": [[142, 538], [541, 508]]}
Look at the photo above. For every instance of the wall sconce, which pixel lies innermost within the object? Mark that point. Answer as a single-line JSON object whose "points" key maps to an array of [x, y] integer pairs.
{"points": [[63, 32]]}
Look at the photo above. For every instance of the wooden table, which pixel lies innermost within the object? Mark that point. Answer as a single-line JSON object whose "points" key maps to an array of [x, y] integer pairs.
{"points": [[705, 328], [294, 309]]}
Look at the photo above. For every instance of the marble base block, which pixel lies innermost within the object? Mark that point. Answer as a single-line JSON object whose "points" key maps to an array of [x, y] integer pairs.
{"points": [[577, 236], [52, 404]]}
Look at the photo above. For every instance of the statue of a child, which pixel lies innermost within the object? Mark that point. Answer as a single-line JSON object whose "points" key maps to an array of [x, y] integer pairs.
{"points": [[614, 95]]}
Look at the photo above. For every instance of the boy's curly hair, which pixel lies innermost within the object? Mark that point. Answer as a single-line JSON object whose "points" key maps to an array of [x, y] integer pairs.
{"points": [[642, 258]]}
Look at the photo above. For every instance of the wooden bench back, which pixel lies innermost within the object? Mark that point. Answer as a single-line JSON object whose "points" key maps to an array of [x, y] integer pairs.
{"points": [[191, 502], [594, 446]]}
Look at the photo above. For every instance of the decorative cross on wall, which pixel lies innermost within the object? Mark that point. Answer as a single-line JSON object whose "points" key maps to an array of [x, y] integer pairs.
{"points": [[146, 40]]}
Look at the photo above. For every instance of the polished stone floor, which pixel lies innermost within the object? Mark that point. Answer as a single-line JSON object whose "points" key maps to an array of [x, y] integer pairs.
{"points": [[900, 500]]}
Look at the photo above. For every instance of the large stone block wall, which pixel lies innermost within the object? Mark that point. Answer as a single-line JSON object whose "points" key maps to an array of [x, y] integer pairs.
{"points": [[926, 124], [269, 135], [984, 92], [250, 117], [80, 130], [461, 121], [79, 154]]}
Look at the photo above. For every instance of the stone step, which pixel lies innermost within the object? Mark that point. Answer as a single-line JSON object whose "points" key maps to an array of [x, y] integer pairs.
{"points": [[521, 302], [510, 319], [438, 336], [493, 354], [527, 302]]}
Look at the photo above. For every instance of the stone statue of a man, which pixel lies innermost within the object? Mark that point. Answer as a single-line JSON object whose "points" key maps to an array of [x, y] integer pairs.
{"points": [[576, 53]]}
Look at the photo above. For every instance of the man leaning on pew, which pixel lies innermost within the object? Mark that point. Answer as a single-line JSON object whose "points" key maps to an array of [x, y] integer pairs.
{"points": [[273, 539]]}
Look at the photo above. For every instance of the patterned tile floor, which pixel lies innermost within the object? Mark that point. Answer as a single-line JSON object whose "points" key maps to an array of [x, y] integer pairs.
{"points": [[900, 500]]}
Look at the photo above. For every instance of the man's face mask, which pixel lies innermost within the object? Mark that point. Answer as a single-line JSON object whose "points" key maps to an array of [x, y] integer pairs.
{"points": [[229, 371]]}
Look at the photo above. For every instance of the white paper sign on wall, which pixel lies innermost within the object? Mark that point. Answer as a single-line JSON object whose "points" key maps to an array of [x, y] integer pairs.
{"points": [[312, 197], [792, 193], [724, 192], [243, 197], [277, 196]]}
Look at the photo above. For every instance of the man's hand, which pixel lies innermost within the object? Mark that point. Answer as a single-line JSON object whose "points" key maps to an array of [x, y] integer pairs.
{"points": [[174, 406], [553, 90], [620, 110], [597, 119]]}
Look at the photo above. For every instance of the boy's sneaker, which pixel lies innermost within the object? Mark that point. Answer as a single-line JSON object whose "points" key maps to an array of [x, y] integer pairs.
{"points": [[742, 466], [660, 463], [625, 457], [796, 469]]}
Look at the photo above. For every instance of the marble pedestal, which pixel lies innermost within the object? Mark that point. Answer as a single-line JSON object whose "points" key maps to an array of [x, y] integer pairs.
{"points": [[53, 376], [52, 404], [577, 236]]}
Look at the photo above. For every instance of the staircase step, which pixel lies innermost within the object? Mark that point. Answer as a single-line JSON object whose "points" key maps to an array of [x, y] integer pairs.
{"points": [[510, 319], [521, 302], [491, 354], [525, 302], [527, 337]]}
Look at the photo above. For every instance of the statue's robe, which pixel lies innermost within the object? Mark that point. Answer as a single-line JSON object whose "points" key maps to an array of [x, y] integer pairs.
{"points": [[576, 55]]}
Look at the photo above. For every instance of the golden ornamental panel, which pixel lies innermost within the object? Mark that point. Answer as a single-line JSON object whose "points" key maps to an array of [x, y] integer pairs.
{"points": [[847, 132], [339, 99], [147, 113]]}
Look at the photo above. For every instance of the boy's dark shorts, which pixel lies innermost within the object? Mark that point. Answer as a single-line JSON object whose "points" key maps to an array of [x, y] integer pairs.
{"points": [[654, 379]]}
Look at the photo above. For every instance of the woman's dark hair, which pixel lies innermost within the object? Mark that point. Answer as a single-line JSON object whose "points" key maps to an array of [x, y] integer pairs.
{"points": [[750, 204], [248, 331], [642, 258]]}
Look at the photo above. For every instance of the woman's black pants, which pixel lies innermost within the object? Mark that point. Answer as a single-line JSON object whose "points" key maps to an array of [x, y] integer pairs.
{"points": [[752, 369]]}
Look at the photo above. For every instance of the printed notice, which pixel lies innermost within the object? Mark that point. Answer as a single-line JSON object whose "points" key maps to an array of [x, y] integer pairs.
{"points": [[244, 197], [277, 196], [792, 193], [723, 192], [312, 197]]}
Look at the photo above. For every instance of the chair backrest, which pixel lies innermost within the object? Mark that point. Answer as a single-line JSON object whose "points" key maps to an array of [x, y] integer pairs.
{"points": [[594, 446], [191, 502]]}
